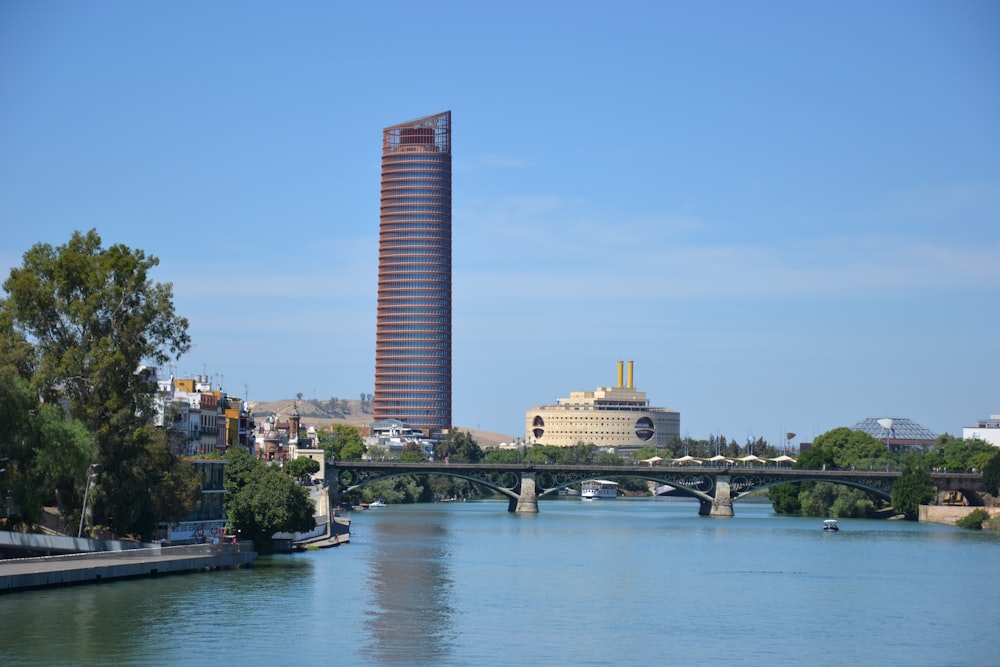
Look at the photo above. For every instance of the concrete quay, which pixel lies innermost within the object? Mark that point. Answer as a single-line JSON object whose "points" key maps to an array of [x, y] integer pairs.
{"points": [[27, 573]]}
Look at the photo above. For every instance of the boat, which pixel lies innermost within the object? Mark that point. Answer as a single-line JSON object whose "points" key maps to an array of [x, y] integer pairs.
{"points": [[377, 503], [598, 489], [830, 525]]}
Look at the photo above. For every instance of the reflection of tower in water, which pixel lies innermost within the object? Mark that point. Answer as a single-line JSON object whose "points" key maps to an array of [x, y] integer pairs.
{"points": [[412, 593]]}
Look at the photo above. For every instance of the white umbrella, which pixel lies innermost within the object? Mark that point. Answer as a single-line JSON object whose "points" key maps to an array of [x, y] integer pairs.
{"points": [[687, 458], [784, 458]]}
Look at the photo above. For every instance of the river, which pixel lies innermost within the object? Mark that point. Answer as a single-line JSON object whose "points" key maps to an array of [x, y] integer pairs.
{"points": [[628, 581]]}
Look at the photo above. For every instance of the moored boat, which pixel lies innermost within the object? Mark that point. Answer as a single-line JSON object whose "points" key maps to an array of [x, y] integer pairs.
{"points": [[598, 489], [830, 525]]}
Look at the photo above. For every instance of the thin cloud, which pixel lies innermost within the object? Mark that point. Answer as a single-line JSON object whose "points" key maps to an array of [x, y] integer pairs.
{"points": [[817, 269]]}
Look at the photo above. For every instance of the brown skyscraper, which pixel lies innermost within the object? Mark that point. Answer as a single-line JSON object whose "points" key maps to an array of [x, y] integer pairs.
{"points": [[413, 332]]}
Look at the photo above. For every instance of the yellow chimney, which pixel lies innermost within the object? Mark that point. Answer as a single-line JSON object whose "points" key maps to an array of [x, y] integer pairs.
{"points": [[620, 369], [630, 375]]}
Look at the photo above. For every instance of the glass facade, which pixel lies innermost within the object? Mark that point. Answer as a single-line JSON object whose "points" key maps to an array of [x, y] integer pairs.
{"points": [[413, 331]]}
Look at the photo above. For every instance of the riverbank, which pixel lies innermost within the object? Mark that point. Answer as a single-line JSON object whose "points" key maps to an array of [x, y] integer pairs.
{"points": [[948, 515], [46, 571]]}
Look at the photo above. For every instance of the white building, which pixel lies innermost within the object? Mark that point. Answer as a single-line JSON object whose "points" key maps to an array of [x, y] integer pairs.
{"points": [[618, 417], [988, 430]]}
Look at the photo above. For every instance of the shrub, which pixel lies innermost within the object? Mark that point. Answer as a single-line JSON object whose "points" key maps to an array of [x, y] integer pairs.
{"points": [[974, 519]]}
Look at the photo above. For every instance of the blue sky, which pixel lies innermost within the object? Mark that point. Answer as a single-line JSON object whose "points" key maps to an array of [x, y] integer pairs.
{"points": [[786, 213]]}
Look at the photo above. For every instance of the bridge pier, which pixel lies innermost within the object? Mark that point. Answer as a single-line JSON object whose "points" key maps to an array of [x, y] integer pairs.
{"points": [[527, 501], [722, 501]]}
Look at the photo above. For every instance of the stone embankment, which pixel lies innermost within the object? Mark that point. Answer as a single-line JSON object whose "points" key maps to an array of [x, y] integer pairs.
{"points": [[24, 573], [949, 514]]}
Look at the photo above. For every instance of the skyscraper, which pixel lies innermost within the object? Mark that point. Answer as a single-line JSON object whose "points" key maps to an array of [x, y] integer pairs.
{"points": [[413, 332]]}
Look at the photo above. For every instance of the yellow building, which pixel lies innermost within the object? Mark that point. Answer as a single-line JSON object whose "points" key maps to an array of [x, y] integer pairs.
{"points": [[607, 417]]}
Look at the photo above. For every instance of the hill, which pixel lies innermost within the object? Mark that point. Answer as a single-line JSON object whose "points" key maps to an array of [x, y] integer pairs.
{"points": [[318, 413]]}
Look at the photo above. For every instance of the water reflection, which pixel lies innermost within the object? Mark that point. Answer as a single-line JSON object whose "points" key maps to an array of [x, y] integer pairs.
{"points": [[409, 619]]}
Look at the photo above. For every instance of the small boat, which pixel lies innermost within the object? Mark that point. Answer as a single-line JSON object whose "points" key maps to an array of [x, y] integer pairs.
{"points": [[830, 525], [377, 503], [596, 489]]}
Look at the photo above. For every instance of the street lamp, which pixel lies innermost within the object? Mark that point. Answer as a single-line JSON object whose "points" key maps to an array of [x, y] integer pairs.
{"points": [[91, 475]]}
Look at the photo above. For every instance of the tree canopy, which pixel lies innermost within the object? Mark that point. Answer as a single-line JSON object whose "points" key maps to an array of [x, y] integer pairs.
{"points": [[343, 443], [458, 446], [913, 488], [301, 467], [261, 500], [91, 318]]}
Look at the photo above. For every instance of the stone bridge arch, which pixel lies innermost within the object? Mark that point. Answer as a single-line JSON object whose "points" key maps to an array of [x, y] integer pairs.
{"points": [[506, 482], [743, 485]]}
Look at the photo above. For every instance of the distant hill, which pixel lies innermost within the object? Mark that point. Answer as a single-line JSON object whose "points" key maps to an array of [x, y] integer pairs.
{"points": [[347, 411]]}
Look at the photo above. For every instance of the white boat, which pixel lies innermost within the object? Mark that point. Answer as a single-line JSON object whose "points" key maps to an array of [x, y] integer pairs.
{"points": [[599, 489], [377, 503], [830, 524]]}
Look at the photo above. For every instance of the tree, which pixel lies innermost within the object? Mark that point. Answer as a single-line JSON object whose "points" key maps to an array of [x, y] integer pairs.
{"points": [[345, 443], [644, 453], [504, 456], [991, 475], [543, 454], [94, 318], [913, 488], [785, 498], [579, 454], [458, 446], [413, 453], [841, 448], [44, 455], [261, 500], [301, 467], [175, 484]]}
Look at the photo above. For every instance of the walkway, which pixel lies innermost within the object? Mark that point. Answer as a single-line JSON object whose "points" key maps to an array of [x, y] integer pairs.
{"points": [[22, 573]]}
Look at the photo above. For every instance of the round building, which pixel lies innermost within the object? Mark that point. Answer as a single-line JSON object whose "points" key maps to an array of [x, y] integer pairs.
{"points": [[619, 417]]}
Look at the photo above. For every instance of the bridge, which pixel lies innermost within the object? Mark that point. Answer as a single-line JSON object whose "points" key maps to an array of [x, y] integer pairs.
{"points": [[715, 487]]}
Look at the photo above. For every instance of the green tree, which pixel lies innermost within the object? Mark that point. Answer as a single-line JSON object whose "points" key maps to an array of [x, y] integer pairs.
{"points": [[581, 453], [459, 447], [913, 488], [301, 467], [851, 502], [43, 454], [94, 317], [817, 499], [785, 498], [841, 448], [991, 475], [175, 484], [413, 453], [544, 454], [344, 443], [607, 459], [504, 456], [644, 453], [261, 500]]}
